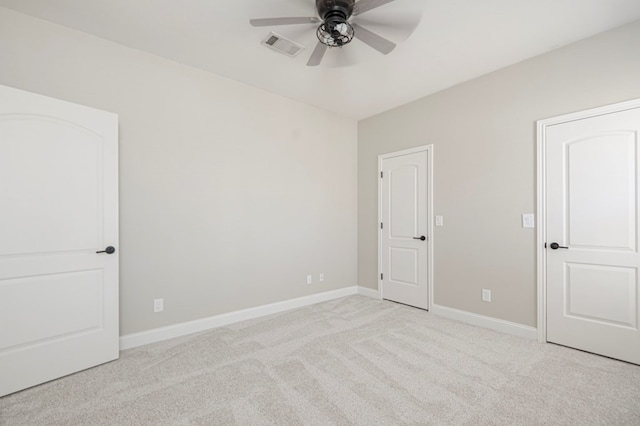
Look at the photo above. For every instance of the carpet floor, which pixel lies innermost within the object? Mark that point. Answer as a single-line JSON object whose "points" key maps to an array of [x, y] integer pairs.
{"points": [[354, 360]]}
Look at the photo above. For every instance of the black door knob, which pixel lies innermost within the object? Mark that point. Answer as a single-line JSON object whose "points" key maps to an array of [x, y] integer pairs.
{"points": [[420, 238], [556, 246], [108, 250]]}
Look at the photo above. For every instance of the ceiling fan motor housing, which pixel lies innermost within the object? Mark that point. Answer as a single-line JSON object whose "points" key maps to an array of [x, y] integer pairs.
{"points": [[328, 8]]}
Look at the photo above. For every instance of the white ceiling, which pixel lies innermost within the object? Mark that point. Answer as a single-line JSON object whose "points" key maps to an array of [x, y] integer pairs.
{"points": [[455, 41]]}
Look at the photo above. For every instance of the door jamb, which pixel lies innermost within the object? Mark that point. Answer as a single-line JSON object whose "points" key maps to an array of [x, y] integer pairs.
{"points": [[541, 127], [429, 150]]}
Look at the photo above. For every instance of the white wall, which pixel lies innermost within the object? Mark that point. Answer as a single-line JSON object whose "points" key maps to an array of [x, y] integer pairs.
{"points": [[483, 133], [229, 195]]}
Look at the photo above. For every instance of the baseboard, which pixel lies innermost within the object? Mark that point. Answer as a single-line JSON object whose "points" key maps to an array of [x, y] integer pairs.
{"points": [[369, 292], [182, 329], [486, 322]]}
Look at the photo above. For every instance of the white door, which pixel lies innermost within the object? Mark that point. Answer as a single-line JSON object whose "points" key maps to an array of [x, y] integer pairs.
{"points": [[404, 233], [592, 234], [58, 194]]}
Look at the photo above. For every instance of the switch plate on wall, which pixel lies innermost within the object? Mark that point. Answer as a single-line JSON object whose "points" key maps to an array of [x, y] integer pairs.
{"points": [[158, 305], [486, 295], [439, 221], [309, 279], [528, 220]]}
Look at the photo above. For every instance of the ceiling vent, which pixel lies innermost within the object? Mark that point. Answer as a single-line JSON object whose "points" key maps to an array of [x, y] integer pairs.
{"points": [[285, 46]]}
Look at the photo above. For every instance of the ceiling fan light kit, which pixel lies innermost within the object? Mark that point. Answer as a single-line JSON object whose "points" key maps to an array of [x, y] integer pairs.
{"points": [[336, 28], [335, 34]]}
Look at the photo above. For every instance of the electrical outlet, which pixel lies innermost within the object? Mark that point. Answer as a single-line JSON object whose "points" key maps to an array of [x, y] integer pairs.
{"points": [[309, 279], [158, 305], [321, 278], [486, 295]]}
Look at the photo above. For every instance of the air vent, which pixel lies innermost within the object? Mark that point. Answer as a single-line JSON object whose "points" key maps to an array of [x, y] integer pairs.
{"points": [[280, 44]]}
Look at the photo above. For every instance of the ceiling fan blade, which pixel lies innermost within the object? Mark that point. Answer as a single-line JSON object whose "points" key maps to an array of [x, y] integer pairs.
{"points": [[406, 24], [271, 22], [379, 43], [366, 5], [317, 55]]}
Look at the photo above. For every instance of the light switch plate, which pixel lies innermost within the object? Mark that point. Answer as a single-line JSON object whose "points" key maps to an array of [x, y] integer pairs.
{"points": [[528, 220], [158, 305], [439, 221]]}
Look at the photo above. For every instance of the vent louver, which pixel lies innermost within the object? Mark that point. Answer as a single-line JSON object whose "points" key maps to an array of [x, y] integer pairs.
{"points": [[285, 46]]}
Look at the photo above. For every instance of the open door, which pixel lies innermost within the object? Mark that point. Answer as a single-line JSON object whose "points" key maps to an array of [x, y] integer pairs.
{"points": [[591, 250], [59, 192]]}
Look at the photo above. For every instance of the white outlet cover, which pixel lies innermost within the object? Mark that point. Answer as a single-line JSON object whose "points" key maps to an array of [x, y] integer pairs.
{"points": [[486, 295], [309, 279], [321, 278]]}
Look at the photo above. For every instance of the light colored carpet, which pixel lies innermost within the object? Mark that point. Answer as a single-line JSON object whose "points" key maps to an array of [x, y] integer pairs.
{"points": [[350, 361]]}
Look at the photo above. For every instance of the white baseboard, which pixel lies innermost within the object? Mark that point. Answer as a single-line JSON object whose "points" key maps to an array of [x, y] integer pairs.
{"points": [[486, 322], [182, 329], [369, 292]]}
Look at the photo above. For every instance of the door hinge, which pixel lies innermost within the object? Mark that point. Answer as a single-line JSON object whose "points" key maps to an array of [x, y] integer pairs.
{"points": [[381, 175], [382, 276], [381, 225]]}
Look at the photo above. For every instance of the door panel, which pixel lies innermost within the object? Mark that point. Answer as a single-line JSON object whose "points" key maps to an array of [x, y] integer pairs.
{"points": [[58, 297], [403, 265], [403, 208], [602, 179], [404, 214], [49, 220], [592, 208], [613, 287], [40, 298]]}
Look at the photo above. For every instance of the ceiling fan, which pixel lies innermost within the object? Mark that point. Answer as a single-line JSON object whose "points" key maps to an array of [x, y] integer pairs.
{"points": [[337, 26]]}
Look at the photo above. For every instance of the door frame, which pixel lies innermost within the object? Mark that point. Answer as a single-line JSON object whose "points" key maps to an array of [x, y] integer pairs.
{"points": [[541, 127], [429, 150]]}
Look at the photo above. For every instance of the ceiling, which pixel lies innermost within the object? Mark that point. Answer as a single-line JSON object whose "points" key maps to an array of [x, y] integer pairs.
{"points": [[454, 41]]}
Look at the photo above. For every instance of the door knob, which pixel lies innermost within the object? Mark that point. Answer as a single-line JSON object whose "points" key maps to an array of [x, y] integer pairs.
{"points": [[556, 246], [420, 238], [108, 250]]}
